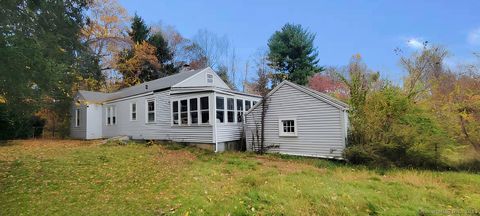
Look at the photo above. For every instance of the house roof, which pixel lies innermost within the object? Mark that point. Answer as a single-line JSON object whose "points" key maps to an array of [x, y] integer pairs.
{"points": [[162, 83], [316, 94]]}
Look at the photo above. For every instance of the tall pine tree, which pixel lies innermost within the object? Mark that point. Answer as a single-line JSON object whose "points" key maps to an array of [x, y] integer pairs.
{"points": [[139, 31], [293, 55]]}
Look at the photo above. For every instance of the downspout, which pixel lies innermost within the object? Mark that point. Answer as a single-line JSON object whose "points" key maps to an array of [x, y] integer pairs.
{"points": [[214, 121]]}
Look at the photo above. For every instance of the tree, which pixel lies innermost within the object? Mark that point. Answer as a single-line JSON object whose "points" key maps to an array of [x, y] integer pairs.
{"points": [[139, 31], [139, 64], [104, 33], [293, 55], [163, 53], [329, 83], [39, 50]]}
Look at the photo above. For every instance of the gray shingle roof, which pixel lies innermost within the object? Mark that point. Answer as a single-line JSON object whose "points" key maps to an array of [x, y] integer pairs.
{"points": [[162, 83]]}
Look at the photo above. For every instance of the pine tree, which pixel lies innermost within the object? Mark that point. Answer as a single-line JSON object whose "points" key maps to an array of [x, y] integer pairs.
{"points": [[139, 30], [293, 55]]}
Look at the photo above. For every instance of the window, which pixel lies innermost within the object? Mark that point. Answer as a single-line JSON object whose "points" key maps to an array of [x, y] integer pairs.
{"points": [[247, 105], [287, 127], [77, 117], [175, 112], [239, 110], [220, 109], [111, 115], [204, 112], [231, 110], [133, 112], [209, 78], [150, 111], [194, 111], [183, 112]]}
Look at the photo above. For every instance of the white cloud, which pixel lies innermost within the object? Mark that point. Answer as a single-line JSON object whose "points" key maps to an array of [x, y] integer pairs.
{"points": [[415, 43], [474, 37]]}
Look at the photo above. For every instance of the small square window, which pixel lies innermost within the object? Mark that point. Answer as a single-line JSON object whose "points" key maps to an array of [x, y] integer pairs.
{"points": [[287, 127]]}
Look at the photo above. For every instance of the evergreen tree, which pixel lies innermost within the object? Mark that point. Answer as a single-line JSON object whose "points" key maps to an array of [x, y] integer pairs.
{"points": [[293, 55], [163, 53], [139, 30]]}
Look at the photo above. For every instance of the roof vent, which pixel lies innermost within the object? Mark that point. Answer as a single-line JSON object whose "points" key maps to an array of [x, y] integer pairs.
{"points": [[146, 86]]}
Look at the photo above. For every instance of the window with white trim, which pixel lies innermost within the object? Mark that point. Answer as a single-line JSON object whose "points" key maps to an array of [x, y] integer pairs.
{"points": [[77, 117], [247, 105], [230, 110], [239, 110], [111, 115], [193, 110], [183, 112], [150, 111], [209, 78], [220, 109], [175, 112], [133, 112], [204, 111], [287, 127]]}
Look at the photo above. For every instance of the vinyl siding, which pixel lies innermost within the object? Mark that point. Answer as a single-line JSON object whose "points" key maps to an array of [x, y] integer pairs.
{"points": [[320, 126], [161, 129], [79, 132]]}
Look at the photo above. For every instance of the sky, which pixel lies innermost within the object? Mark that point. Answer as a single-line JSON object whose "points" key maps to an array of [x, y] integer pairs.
{"points": [[343, 28]]}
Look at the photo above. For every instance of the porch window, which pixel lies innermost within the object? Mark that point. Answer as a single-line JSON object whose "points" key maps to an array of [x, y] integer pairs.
{"points": [[239, 110], [287, 127], [231, 110], [194, 111], [247, 105], [133, 112], [175, 112], [220, 109], [151, 111], [204, 111], [183, 112]]}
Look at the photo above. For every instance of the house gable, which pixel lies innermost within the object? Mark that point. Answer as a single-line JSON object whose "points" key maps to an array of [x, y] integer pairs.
{"points": [[202, 79]]}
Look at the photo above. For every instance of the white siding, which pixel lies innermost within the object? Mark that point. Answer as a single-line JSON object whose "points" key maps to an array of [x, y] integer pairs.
{"points": [[79, 132], [161, 129], [320, 126], [200, 80]]}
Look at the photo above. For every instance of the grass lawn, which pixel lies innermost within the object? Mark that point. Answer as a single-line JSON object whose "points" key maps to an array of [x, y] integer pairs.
{"points": [[64, 177]]}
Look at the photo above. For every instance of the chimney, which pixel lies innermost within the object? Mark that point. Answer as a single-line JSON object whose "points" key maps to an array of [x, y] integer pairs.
{"points": [[186, 67]]}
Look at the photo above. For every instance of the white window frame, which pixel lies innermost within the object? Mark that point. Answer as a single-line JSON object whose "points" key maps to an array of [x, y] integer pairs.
{"points": [[77, 117], [189, 111], [132, 112], [232, 110], [212, 78], [222, 110], [110, 112], [237, 111], [154, 111], [287, 134]]}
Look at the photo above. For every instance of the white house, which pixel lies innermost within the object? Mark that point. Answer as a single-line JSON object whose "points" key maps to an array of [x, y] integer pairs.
{"points": [[193, 106], [299, 121]]}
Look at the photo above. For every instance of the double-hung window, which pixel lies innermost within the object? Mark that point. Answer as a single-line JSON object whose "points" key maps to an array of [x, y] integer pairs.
{"points": [[239, 110], [175, 112], [111, 115], [193, 111], [133, 112], [77, 117], [220, 109], [150, 111], [230, 110], [183, 112], [204, 111], [287, 127]]}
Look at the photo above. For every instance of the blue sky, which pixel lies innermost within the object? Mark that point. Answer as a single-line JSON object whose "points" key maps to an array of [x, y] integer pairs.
{"points": [[372, 28]]}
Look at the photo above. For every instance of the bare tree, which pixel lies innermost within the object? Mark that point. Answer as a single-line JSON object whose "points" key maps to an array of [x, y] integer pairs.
{"points": [[212, 46]]}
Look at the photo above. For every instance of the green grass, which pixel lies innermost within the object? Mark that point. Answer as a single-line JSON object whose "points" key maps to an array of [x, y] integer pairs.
{"points": [[84, 178]]}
